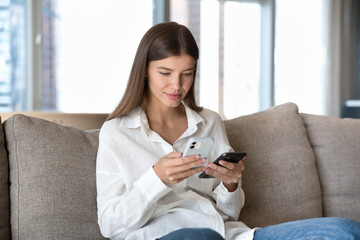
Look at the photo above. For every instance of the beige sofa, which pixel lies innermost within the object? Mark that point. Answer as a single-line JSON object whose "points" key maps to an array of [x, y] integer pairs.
{"points": [[298, 166]]}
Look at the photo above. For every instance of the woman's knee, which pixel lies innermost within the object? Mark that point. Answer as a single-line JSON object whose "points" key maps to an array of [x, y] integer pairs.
{"points": [[346, 226]]}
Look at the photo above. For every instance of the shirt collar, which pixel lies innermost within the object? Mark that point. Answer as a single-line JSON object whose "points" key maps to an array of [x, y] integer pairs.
{"points": [[137, 119]]}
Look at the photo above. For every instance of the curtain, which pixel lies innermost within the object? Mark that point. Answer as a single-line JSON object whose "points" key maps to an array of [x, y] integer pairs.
{"points": [[339, 83]]}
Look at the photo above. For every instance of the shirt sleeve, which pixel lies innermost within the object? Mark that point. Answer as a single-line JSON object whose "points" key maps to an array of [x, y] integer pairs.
{"points": [[230, 203], [121, 210]]}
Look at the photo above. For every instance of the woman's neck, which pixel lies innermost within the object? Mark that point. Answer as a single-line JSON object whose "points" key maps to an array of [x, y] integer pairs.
{"points": [[158, 113], [169, 123]]}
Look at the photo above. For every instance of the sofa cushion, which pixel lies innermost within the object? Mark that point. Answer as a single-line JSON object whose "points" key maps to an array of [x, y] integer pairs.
{"points": [[280, 180], [4, 189], [53, 182], [336, 143]]}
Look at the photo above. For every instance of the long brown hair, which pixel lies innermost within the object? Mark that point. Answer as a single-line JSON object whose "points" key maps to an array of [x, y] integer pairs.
{"points": [[160, 41]]}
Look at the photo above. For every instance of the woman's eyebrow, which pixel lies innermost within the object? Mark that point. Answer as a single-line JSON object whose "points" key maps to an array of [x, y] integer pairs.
{"points": [[169, 69], [165, 68]]}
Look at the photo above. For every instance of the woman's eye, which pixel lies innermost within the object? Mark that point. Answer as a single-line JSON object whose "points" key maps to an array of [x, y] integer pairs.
{"points": [[164, 73], [187, 74]]}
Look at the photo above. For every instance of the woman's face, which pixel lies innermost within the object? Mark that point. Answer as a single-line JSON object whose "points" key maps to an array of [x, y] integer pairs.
{"points": [[170, 79]]}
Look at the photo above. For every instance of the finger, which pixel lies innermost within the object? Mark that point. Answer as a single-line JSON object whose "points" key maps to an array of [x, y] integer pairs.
{"points": [[216, 173], [180, 176], [217, 168], [230, 178], [196, 163], [239, 166], [188, 165], [194, 159], [223, 177], [242, 166], [226, 174], [174, 159], [176, 166], [174, 155], [228, 165]]}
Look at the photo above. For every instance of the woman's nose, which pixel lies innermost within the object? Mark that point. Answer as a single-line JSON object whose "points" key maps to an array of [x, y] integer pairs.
{"points": [[176, 82]]}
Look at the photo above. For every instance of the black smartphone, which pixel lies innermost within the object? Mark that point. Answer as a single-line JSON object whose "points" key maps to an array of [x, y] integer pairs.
{"points": [[229, 157]]}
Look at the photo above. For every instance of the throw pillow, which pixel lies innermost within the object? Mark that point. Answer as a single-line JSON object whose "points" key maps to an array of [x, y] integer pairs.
{"points": [[53, 181], [336, 145], [280, 180]]}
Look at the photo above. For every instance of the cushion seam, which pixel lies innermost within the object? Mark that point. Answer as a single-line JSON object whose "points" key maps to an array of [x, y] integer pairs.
{"points": [[303, 117]]}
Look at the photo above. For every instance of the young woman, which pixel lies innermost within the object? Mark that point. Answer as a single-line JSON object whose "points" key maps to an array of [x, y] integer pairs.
{"points": [[146, 188]]}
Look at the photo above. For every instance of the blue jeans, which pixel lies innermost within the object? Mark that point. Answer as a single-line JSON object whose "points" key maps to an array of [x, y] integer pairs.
{"points": [[311, 229], [308, 229], [192, 234]]}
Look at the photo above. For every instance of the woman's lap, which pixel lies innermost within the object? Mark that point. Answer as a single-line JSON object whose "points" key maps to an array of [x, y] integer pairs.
{"points": [[308, 229], [311, 229], [192, 234]]}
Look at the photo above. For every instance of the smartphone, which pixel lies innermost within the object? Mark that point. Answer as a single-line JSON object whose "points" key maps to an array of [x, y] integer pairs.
{"points": [[198, 146], [229, 157]]}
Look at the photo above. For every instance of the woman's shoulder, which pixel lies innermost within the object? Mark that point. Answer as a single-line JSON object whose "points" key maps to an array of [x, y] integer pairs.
{"points": [[110, 125], [210, 115], [129, 120]]}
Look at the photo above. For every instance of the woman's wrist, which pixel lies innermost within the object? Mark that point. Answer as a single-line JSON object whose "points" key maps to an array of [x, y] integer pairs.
{"points": [[231, 187]]}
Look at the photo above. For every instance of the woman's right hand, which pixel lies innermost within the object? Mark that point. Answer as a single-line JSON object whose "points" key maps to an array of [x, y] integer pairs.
{"points": [[173, 168]]}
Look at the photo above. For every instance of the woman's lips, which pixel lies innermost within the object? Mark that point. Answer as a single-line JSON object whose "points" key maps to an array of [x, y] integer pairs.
{"points": [[173, 96]]}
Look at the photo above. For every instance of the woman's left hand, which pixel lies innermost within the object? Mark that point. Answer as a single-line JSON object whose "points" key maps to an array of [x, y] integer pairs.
{"points": [[229, 173]]}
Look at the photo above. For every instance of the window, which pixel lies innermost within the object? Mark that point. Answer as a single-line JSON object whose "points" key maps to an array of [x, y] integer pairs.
{"points": [[68, 56], [97, 45], [242, 58], [236, 52], [300, 54], [62, 56], [256, 54], [230, 72], [12, 55]]}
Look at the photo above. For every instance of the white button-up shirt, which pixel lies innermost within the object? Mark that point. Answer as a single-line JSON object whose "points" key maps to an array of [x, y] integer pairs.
{"points": [[133, 203]]}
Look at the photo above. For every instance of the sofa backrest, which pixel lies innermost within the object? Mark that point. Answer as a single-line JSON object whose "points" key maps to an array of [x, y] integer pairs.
{"points": [[336, 144], [84, 121], [4, 190], [280, 179]]}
